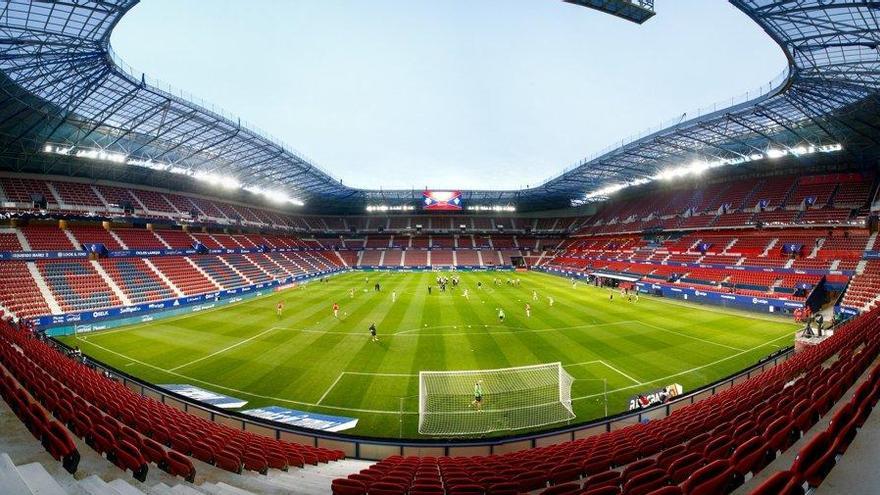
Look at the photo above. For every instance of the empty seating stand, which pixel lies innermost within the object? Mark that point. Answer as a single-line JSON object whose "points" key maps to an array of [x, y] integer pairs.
{"points": [[132, 431]]}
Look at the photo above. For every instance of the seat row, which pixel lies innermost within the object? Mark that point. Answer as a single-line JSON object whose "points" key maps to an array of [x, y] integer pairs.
{"points": [[134, 430]]}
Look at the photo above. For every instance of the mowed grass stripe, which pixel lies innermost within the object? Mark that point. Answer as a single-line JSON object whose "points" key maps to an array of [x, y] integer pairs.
{"points": [[308, 356]]}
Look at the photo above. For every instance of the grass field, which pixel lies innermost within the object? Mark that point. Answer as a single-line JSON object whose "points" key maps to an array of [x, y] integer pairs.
{"points": [[308, 360]]}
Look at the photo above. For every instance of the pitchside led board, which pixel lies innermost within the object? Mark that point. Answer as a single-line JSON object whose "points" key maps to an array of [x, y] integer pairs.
{"points": [[442, 201]]}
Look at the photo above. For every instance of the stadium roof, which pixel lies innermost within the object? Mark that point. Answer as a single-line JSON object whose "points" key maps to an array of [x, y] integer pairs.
{"points": [[61, 86]]}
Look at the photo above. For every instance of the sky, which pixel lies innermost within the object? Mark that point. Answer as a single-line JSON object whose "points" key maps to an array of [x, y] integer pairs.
{"points": [[458, 94]]}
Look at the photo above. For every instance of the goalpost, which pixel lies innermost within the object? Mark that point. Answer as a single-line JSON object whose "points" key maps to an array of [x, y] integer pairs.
{"points": [[513, 399]]}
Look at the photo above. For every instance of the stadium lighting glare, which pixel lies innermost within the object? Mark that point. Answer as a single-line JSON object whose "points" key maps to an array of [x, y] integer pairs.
{"points": [[224, 182], [508, 208], [697, 167], [383, 208]]}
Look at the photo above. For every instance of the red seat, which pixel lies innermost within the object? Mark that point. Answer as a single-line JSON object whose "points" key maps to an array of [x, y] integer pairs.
{"points": [[781, 434], [56, 440], [719, 448], [127, 456], [565, 473], [602, 490], [646, 482], [255, 462], [179, 465], [667, 490], [608, 478], [531, 480], [227, 461], [752, 456], [506, 488], [100, 439], [467, 489], [781, 483], [843, 427], [684, 466], [716, 478], [382, 488], [815, 459], [203, 452], [564, 489], [343, 486]]}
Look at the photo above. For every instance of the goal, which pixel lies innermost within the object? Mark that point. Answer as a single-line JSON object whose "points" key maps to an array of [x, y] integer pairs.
{"points": [[513, 399]]}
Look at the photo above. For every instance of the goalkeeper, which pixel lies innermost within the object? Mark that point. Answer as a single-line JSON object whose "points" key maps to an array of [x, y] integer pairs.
{"points": [[478, 395]]}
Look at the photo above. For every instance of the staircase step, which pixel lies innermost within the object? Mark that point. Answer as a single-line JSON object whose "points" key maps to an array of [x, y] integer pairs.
{"points": [[39, 480], [124, 488], [96, 486], [10, 479]]}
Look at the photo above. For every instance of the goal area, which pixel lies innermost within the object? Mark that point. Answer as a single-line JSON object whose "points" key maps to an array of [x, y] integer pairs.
{"points": [[512, 399]]}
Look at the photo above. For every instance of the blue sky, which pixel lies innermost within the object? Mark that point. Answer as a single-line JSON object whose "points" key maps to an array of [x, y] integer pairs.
{"points": [[447, 94]]}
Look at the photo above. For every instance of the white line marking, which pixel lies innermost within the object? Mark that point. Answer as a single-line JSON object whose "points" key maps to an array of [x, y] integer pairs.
{"points": [[690, 336], [583, 363], [233, 346], [685, 371], [364, 373], [620, 372], [330, 388], [382, 411]]}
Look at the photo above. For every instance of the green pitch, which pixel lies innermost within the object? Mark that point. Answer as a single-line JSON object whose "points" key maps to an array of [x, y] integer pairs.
{"points": [[308, 360]]}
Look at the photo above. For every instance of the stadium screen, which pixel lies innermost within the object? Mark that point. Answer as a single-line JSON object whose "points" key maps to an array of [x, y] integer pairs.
{"points": [[442, 201]]}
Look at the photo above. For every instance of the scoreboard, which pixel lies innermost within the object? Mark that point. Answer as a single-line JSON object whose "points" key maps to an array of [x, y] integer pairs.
{"points": [[442, 201]]}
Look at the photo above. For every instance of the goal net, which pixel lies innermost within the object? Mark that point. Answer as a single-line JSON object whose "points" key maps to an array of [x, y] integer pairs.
{"points": [[512, 399]]}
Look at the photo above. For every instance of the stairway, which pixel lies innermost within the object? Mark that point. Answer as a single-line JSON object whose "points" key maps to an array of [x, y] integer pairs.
{"points": [[203, 272], [55, 195], [54, 307], [769, 247], [73, 239], [163, 278], [341, 259], [234, 269], [110, 283], [118, 239], [816, 248], [101, 197]]}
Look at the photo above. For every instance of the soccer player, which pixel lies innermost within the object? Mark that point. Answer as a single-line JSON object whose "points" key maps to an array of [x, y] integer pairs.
{"points": [[528, 310], [394, 296], [336, 310], [611, 296], [501, 315], [467, 294], [429, 290], [351, 293], [550, 300], [478, 395], [373, 336], [377, 287], [534, 295], [279, 308]]}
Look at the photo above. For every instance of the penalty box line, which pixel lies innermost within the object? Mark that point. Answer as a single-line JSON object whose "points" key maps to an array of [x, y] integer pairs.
{"points": [[411, 375], [382, 411]]}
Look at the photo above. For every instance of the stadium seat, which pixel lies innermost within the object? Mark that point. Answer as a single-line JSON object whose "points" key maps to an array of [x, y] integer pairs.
{"points": [[716, 478], [645, 482], [343, 486], [781, 483], [752, 456], [602, 490], [815, 460]]}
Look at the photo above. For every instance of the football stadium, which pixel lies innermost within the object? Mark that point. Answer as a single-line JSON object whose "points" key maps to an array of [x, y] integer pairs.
{"points": [[189, 306]]}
